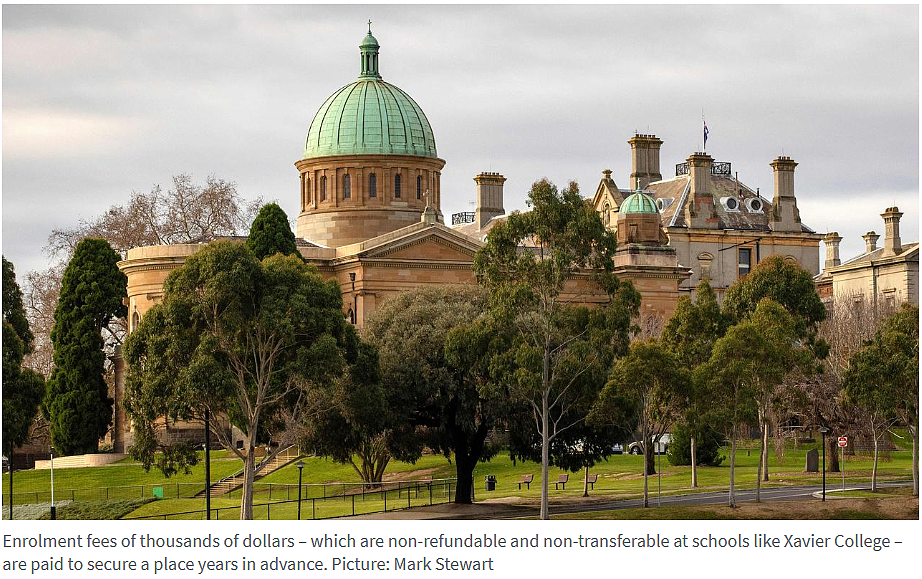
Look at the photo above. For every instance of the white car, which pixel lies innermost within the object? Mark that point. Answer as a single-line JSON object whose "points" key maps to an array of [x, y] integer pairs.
{"points": [[661, 447]]}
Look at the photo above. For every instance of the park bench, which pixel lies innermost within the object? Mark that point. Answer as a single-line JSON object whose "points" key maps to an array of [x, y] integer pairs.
{"points": [[526, 480], [590, 479], [562, 481]]}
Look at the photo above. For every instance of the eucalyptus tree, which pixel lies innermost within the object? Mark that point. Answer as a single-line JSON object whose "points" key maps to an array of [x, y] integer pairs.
{"points": [[883, 378], [235, 336], [745, 367], [529, 265], [650, 380], [690, 335], [791, 286]]}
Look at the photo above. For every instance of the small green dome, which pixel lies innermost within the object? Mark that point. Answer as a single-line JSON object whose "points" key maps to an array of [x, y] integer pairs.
{"points": [[370, 116], [638, 203]]}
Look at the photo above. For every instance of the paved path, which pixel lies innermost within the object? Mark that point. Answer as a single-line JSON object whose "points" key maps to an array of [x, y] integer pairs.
{"points": [[500, 510]]}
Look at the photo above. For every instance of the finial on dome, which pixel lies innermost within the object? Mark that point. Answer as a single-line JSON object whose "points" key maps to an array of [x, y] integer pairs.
{"points": [[369, 26]]}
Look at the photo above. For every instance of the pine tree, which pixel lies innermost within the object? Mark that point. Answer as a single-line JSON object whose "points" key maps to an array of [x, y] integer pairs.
{"points": [[77, 403], [271, 233]]}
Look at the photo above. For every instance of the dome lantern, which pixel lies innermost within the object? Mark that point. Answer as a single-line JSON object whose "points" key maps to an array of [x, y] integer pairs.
{"points": [[369, 51]]}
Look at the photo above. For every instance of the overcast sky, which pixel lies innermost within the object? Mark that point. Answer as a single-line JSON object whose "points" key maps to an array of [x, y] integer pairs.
{"points": [[99, 101]]}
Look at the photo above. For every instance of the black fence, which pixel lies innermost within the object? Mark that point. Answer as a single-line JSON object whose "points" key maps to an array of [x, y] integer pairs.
{"points": [[166, 491], [329, 500]]}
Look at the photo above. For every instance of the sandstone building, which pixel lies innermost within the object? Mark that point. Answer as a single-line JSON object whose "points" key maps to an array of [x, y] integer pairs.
{"points": [[370, 215], [880, 277]]}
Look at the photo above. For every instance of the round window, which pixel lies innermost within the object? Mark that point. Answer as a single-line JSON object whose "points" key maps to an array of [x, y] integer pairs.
{"points": [[755, 205], [731, 203]]}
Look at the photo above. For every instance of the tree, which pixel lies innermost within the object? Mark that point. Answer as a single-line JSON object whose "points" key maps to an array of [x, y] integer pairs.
{"points": [[690, 335], [745, 365], [77, 402], [271, 233], [13, 311], [351, 418], [22, 388], [883, 378], [433, 369], [529, 266], [239, 337], [186, 213], [790, 285], [650, 380]]}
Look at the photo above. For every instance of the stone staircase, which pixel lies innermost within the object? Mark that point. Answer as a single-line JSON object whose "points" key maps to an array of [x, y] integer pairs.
{"points": [[233, 482]]}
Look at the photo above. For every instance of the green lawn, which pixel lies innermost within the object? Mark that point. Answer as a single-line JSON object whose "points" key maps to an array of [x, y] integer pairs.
{"points": [[123, 480], [619, 476]]}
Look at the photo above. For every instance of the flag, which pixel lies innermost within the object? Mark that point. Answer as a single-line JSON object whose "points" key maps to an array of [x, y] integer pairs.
{"points": [[705, 133]]}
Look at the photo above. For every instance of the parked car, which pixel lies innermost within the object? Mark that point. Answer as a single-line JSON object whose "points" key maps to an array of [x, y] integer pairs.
{"points": [[661, 447], [6, 464], [617, 449]]}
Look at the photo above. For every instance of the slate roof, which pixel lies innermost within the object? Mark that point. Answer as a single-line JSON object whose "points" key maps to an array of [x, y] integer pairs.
{"points": [[743, 218]]}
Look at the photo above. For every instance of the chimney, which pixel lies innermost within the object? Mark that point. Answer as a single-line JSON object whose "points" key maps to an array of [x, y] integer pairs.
{"points": [[870, 241], [489, 198], [699, 210], [832, 240], [784, 215], [892, 244], [644, 160]]}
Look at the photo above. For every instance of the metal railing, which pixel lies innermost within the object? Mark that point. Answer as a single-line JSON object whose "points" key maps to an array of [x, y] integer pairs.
{"points": [[350, 500], [168, 490], [462, 217], [717, 168]]}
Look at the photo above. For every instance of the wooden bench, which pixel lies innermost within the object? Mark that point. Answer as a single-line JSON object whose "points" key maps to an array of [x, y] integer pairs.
{"points": [[591, 480], [562, 481], [526, 480]]}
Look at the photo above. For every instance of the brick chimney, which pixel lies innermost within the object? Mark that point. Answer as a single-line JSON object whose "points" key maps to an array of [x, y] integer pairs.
{"points": [[870, 241], [784, 215], [489, 198], [832, 240], [644, 160], [699, 210], [892, 244]]}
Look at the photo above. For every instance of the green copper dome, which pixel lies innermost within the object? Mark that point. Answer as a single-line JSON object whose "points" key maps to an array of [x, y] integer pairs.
{"points": [[370, 116], [638, 203]]}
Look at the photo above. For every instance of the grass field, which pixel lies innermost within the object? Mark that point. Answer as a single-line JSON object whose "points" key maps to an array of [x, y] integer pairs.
{"points": [[619, 477]]}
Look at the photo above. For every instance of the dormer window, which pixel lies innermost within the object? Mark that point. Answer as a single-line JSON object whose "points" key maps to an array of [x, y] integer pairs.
{"points": [[730, 203], [755, 205]]}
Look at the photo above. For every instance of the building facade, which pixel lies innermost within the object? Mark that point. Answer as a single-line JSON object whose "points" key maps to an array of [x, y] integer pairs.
{"points": [[880, 277], [718, 226]]}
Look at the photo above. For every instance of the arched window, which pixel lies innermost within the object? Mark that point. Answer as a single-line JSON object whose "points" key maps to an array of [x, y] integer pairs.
{"points": [[397, 186], [419, 187], [347, 187], [323, 188], [135, 320], [307, 192], [372, 185]]}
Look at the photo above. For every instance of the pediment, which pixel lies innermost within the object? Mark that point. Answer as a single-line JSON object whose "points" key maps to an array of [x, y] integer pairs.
{"points": [[436, 243]]}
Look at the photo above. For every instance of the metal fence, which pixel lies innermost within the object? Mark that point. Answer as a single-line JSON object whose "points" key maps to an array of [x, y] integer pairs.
{"points": [[167, 491], [330, 500]]}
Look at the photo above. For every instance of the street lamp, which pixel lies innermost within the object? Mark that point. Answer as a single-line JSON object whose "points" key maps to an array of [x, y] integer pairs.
{"points": [[355, 300], [824, 430], [207, 464], [53, 514], [300, 465]]}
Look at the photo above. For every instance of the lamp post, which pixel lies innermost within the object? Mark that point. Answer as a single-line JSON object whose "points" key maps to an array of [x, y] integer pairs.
{"points": [[355, 300], [207, 464], [53, 514], [824, 430], [300, 465]]}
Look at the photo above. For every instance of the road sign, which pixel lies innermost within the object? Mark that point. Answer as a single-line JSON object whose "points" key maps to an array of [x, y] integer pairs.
{"points": [[843, 441]]}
